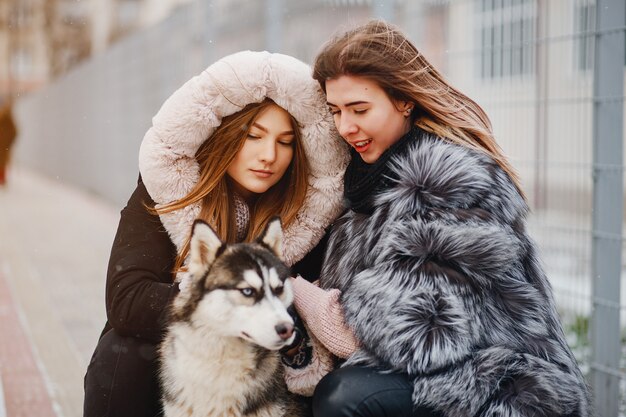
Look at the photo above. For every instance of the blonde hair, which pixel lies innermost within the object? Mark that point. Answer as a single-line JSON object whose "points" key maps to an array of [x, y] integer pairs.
{"points": [[214, 189], [380, 52]]}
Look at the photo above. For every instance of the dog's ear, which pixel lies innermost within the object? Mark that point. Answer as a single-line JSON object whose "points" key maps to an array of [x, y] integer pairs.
{"points": [[203, 247], [272, 236]]}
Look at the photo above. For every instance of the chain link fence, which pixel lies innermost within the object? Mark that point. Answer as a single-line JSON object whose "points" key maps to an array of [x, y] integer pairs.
{"points": [[533, 65]]}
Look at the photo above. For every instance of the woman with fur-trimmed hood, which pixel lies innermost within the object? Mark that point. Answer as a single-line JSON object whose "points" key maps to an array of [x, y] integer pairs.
{"points": [[248, 139], [431, 289]]}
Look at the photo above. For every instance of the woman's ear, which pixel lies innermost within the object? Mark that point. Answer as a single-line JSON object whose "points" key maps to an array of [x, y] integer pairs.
{"points": [[404, 107]]}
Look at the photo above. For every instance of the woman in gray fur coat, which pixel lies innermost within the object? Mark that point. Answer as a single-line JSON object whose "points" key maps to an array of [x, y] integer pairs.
{"points": [[430, 277]]}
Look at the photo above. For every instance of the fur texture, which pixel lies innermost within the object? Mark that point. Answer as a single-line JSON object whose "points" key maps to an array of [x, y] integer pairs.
{"points": [[166, 158], [220, 353], [443, 282]]}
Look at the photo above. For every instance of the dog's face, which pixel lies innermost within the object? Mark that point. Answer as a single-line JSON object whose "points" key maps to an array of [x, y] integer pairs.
{"points": [[240, 290]]}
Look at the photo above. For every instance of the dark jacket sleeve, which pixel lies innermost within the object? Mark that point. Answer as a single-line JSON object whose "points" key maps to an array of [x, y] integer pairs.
{"points": [[139, 284], [310, 266]]}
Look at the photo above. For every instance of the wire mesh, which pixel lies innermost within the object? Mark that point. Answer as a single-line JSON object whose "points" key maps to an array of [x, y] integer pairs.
{"points": [[530, 64]]}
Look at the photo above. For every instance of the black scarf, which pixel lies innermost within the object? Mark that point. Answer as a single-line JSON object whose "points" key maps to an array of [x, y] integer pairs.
{"points": [[362, 181]]}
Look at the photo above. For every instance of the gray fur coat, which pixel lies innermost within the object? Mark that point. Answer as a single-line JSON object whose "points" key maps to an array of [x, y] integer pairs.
{"points": [[443, 282]]}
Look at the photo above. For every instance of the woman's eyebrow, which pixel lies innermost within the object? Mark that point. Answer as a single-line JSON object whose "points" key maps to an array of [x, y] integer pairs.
{"points": [[258, 126], [261, 127], [352, 103]]}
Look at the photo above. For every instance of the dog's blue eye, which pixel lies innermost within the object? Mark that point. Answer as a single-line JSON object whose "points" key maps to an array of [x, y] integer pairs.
{"points": [[247, 292]]}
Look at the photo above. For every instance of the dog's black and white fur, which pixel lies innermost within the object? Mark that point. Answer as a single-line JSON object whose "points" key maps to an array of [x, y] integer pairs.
{"points": [[219, 356]]}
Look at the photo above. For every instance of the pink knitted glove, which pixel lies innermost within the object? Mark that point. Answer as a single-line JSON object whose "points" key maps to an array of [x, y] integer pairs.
{"points": [[323, 315]]}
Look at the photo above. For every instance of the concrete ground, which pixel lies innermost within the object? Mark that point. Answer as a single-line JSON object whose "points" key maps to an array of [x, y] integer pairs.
{"points": [[54, 248]]}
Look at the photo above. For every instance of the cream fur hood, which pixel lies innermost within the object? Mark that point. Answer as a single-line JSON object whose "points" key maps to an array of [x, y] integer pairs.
{"points": [[166, 158]]}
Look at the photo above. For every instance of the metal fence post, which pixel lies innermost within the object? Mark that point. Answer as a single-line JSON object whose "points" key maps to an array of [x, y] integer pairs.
{"points": [[608, 87], [274, 25], [203, 34], [208, 32]]}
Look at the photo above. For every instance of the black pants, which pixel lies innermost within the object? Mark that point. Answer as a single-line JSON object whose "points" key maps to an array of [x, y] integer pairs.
{"points": [[121, 379], [364, 392]]}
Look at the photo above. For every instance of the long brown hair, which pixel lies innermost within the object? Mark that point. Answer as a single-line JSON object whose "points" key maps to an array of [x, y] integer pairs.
{"points": [[382, 53], [214, 190]]}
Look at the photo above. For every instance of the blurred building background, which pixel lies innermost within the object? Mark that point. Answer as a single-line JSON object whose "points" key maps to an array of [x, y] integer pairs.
{"points": [[41, 40], [89, 75]]}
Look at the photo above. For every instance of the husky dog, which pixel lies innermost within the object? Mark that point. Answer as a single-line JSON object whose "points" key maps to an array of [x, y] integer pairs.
{"points": [[220, 353]]}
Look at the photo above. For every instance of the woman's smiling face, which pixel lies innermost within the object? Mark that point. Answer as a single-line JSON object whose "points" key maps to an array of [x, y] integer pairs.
{"points": [[365, 116]]}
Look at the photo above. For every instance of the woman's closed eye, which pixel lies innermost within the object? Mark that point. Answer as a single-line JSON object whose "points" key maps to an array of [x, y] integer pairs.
{"points": [[335, 112], [285, 139]]}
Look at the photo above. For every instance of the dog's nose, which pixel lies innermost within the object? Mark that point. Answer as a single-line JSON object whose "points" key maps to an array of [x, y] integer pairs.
{"points": [[284, 330]]}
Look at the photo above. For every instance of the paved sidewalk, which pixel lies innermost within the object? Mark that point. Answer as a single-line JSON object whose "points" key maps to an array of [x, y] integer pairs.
{"points": [[54, 247]]}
